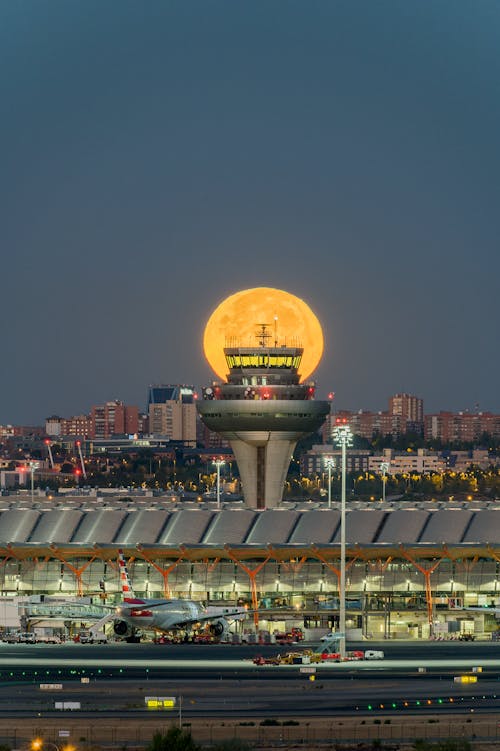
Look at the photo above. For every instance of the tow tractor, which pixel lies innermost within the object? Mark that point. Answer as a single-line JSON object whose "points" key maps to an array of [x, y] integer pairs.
{"points": [[289, 637], [260, 660], [355, 654]]}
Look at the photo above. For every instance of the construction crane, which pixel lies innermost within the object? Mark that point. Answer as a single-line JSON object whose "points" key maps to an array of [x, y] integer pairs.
{"points": [[79, 447], [48, 443]]}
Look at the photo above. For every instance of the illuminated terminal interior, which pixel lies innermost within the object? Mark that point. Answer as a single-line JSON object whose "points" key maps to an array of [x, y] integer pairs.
{"points": [[284, 561]]}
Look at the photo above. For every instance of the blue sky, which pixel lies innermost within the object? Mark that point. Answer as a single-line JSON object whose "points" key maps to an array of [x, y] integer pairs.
{"points": [[159, 156]]}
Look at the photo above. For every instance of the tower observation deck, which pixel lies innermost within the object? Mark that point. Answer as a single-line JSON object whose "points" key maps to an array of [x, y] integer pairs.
{"points": [[262, 409]]}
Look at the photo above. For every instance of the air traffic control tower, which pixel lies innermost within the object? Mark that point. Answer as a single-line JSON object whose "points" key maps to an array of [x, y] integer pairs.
{"points": [[262, 409]]}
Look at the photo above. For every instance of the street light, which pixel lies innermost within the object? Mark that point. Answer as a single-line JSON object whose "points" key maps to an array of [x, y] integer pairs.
{"points": [[33, 467], [329, 464], [38, 744], [218, 464], [384, 468], [342, 436]]}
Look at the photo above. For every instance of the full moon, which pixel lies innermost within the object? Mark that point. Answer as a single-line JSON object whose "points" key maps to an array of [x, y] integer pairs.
{"points": [[237, 319]]}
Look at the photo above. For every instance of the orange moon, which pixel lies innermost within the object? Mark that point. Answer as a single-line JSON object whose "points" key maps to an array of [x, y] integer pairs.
{"points": [[236, 320]]}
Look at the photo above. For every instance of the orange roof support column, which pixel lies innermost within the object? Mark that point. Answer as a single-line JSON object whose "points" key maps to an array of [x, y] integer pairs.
{"points": [[317, 554], [74, 570], [165, 572], [426, 573], [252, 575]]}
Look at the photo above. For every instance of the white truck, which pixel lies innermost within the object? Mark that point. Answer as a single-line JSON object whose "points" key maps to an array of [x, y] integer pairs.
{"points": [[374, 654], [91, 637]]}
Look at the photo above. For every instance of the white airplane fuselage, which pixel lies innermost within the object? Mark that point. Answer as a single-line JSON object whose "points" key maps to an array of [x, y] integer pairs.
{"points": [[163, 615], [168, 615]]}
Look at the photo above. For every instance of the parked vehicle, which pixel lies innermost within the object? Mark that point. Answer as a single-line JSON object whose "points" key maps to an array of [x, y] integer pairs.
{"points": [[289, 637], [374, 654], [356, 654], [26, 637], [89, 637]]}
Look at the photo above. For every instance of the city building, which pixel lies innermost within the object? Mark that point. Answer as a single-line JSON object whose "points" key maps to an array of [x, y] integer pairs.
{"points": [[405, 415], [409, 410], [262, 410], [404, 462], [461, 427], [172, 412], [314, 461], [113, 418]]}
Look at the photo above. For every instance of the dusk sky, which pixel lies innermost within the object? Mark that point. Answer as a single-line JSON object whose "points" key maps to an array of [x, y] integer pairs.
{"points": [[159, 156]]}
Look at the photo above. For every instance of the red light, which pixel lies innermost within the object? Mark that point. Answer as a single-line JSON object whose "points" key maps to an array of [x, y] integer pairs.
{"points": [[331, 395], [78, 443], [47, 442], [78, 471]]}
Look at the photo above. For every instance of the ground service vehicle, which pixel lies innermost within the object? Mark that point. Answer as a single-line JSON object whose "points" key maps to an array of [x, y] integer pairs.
{"points": [[355, 654], [260, 660], [289, 637], [89, 637], [26, 637], [374, 654]]}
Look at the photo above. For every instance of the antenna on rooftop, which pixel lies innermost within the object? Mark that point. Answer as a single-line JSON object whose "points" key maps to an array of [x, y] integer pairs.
{"points": [[263, 335], [275, 331]]}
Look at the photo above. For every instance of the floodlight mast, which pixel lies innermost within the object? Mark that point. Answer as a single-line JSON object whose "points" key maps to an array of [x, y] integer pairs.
{"points": [[218, 463], [329, 464], [342, 436], [33, 467], [384, 468]]}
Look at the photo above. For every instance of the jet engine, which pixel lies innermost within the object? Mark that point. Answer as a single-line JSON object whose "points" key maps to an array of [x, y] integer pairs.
{"points": [[219, 627], [125, 631]]}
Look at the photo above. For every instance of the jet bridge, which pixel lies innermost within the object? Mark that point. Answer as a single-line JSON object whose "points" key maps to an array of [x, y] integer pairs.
{"points": [[64, 611]]}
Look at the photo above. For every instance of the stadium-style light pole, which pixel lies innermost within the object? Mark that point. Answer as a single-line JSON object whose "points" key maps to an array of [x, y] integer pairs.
{"points": [[342, 436], [329, 464], [218, 464], [33, 466], [384, 468]]}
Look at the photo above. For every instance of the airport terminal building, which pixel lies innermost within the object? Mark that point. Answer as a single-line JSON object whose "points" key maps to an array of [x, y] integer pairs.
{"points": [[410, 567]]}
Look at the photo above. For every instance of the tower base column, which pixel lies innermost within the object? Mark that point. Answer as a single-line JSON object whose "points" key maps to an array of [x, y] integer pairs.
{"points": [[263, 465]]}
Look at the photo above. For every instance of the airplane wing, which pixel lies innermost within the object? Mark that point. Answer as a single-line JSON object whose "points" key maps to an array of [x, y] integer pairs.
{"points": [[232, 615], [221, 614]]}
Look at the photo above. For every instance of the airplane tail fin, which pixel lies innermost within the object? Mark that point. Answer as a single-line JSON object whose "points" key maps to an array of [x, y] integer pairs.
{"points": [[127, 591]]}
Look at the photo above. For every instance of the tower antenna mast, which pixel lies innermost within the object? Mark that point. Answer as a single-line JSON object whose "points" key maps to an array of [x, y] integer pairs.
{"points": [[263, 335]]}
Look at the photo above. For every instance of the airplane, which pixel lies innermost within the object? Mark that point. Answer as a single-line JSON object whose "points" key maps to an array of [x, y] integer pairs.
{"points": [[134, 613]]}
